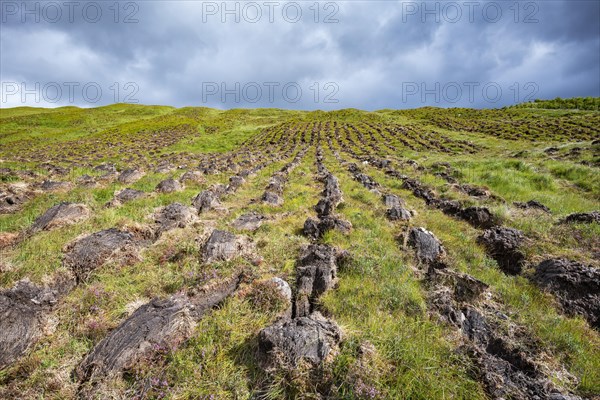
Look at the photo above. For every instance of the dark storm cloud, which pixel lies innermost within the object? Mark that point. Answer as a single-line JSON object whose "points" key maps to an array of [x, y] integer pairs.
{"points": [[380, 54]]}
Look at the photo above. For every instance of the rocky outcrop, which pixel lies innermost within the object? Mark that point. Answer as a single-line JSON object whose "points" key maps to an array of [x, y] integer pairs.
{"points": [[60, 215], [316, 272], [173, 216], [169, 186], [86, 254], [504, 245], [586, 218], [576, 286], [225, 246], [206, 201], [532, 205], [158, 323], [248, 222], [23, 315], [429, 249], [313, 339], [124, 196], [130, 176]]}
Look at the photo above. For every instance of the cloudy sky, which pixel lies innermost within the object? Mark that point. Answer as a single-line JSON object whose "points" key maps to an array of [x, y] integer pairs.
{"points": [[300, 55]]}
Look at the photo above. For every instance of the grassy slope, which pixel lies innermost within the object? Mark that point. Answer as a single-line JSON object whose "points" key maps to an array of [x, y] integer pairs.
{"points": [[379, 299]]}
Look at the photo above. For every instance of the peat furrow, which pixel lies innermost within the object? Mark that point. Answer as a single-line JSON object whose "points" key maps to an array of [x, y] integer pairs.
{"points": [[287, 141], [507, 127], [362, 139], [505, 246], [214, 164], [511, 365], [106, 144], [82, 256], [422, 138], [445, 171], [165, 323], [250, 154], [133, 171], [209, 199], [267, 137], [336, 154], [62, 214], [399, 133], [305, 335], [15, 195], [396, 207], [476, 216], [158, 324], [343, 145], [305, 338], [474, 191], [24, 315], [509, 362], [384, 140], [331, 197], [371, 133], [466, 146], [353, 144], [26, 306], [477, 193], [417, 137], [273, 194]]}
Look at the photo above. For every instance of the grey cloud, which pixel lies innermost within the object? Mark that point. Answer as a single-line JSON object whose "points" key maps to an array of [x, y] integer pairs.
{"points": [[374, 52]]}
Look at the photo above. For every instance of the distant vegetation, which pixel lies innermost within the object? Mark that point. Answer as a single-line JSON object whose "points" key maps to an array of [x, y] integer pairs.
{"points": [[575, 103]]}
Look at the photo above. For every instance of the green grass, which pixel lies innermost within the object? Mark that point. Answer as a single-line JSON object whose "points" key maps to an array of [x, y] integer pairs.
{"points": [[381, 297]]}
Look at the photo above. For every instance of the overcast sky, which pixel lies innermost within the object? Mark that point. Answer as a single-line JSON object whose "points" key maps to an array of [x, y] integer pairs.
{"points": [[300, 55]]}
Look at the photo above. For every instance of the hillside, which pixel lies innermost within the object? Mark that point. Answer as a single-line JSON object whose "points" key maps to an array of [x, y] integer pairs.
{"points": [[152, 252]]}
